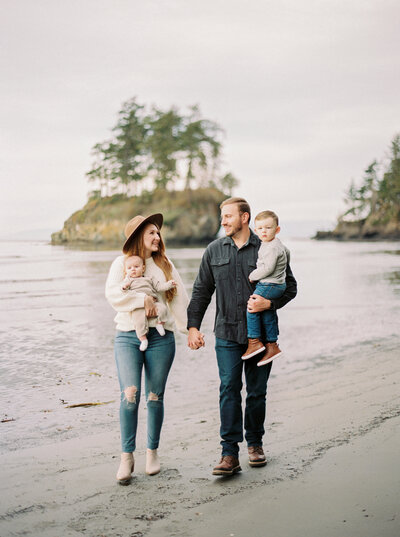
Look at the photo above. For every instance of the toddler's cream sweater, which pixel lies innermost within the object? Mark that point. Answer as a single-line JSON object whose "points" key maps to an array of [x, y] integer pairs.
{"points": [[125, 301]]}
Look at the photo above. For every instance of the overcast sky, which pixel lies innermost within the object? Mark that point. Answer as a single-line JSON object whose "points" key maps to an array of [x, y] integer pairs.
{"points": [[307, 93]]}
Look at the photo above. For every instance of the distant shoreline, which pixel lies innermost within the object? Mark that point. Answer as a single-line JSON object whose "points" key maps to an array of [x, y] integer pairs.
{"points": [[329, 236]]}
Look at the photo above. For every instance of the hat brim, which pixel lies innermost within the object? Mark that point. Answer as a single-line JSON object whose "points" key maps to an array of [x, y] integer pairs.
{"points": [[156, 219]]}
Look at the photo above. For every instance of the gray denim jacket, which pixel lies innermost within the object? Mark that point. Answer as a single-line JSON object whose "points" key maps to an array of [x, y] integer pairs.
{"points": [[225, 269]]}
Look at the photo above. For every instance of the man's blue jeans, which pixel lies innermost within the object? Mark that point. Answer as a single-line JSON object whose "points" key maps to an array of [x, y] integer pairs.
{"points": [[231, 365], [265, 321], [157, 361]]}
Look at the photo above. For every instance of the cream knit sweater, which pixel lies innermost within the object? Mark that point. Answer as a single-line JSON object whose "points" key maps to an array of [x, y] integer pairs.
{"points": [[125, 301]]}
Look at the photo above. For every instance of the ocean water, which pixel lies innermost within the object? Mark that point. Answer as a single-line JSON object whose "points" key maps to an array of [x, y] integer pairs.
{"points": [[56, 331]]}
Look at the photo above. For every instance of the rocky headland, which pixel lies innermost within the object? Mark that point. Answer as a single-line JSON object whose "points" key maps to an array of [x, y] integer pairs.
{"points": [[191, 217], [373, 211], [371, 228]]}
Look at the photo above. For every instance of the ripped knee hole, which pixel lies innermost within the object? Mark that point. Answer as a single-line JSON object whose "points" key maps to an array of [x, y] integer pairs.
{"points": [[130, 394], [152, 397]]}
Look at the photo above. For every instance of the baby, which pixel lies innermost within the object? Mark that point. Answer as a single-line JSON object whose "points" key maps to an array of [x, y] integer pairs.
{"points": [[136, 281], [270, 274]]}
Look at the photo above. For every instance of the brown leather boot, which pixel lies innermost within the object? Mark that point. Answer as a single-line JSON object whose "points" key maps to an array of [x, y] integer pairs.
{"points": [[228, 465], [256, 456], [254, 347], [273, 351]]}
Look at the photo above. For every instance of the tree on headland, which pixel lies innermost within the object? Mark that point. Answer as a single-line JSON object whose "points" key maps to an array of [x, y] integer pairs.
{"points": [[162, 144], [200, 145], [373, 204], [390, 184], [120, 161], [158, 149], [363, 199], [379, 192], [228, 183]]}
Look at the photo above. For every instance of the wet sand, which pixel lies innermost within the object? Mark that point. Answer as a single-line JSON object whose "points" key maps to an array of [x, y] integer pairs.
{"points": [[332, 443], [332, 415]]}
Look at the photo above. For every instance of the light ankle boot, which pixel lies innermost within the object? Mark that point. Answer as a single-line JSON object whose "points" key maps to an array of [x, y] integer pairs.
{"points": [[125, 469], [152, 462]]}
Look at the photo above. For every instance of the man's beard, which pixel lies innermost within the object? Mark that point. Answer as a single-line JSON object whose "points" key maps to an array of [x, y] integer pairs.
{"points": [[235, 229]]}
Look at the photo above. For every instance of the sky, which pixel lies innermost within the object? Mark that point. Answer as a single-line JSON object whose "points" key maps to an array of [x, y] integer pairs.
{"points": [[307, 94]]}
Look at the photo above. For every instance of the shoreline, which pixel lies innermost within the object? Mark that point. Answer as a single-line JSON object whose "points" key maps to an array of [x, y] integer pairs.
{"points": [[355, 239], [320, 422]]}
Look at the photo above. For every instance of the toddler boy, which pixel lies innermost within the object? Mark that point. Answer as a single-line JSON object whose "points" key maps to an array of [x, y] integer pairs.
{"points": [[270, 275]]}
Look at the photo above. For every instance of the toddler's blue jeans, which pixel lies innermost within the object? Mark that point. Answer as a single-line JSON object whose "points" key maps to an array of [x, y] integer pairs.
{"points": [[267, 318]]}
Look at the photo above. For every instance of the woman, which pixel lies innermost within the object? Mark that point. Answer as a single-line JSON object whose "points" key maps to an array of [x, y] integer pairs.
{"points": [[144, 240]]}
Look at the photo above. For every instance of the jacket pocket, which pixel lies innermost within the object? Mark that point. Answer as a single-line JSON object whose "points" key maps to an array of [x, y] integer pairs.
{"points": [[220, 268]]}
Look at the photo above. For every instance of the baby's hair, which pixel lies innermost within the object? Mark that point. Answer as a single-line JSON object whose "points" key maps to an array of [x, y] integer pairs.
{"points": [[267, 214]]}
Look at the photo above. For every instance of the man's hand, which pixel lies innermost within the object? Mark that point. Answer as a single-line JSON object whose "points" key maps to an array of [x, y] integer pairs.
{"points": [[258, 303], [195, 339], [150, 306]]}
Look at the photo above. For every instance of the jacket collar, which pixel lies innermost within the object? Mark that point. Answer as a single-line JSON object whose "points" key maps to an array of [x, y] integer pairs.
{"points": [[253, 239]]}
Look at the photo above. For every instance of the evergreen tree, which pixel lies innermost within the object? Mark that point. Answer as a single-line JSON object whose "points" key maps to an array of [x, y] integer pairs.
{"points": [[389, 192], [122, 159], [199, 144], [228, 183], [163, 146], [375, 195]]}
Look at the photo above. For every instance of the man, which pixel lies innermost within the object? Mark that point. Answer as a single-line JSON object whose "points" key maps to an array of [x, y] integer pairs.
{"points": [[225, 268]]}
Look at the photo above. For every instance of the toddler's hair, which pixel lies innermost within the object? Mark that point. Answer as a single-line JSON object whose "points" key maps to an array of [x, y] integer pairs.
{"points": [[267, 214]]}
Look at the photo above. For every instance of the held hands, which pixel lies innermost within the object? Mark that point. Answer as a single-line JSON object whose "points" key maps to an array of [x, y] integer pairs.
{"points": [[195, 339], [257, 303], [150, 306]]}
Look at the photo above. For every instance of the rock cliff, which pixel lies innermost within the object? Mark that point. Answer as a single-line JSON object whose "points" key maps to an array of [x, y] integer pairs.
{"points": [[191, 217], [375, 227]]}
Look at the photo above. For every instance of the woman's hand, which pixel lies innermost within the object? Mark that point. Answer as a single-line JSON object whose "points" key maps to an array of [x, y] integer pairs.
{"points": [[150, 306], [195, 339]]}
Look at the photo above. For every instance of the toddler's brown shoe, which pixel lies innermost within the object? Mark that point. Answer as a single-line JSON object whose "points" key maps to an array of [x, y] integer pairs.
{"points": [[273, 351], [254, 347]]}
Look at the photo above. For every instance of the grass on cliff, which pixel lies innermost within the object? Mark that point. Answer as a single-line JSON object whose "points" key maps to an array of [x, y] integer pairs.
{"points": [[171, 203]]}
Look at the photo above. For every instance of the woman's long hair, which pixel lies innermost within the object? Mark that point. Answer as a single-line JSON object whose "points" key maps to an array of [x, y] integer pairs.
{"points": [[160, 258]]}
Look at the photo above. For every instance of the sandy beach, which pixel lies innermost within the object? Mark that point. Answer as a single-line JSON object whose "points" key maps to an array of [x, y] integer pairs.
{"points": [[333, 469], [332, 438]]}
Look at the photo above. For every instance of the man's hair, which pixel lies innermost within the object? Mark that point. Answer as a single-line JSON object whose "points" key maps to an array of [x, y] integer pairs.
{"points": [[244, 207], [267, 214]]}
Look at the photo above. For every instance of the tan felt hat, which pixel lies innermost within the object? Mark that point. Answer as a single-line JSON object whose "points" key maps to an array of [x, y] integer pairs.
{"points": [[136, 223]]}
